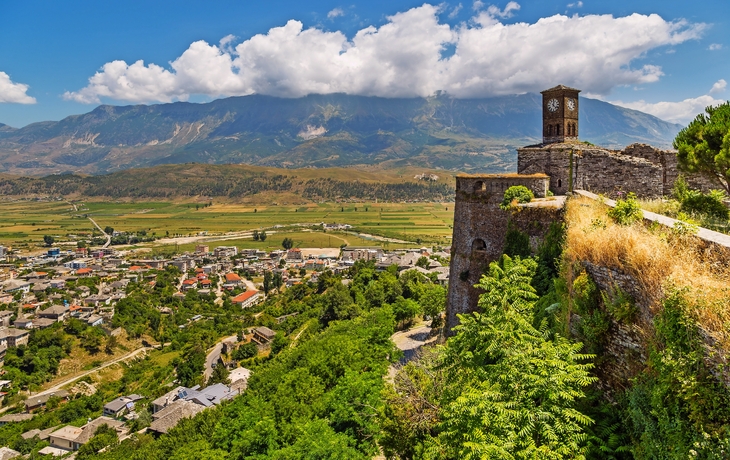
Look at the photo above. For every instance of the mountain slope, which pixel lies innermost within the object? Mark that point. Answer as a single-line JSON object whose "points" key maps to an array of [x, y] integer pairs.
{"points": [[317, 130]]}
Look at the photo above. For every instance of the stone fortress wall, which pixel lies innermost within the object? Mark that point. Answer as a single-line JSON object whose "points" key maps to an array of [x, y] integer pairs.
{"points": [[639, 168], [480, 227]]}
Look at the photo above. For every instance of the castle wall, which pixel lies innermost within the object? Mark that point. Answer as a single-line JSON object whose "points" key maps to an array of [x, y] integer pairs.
{"points": [[603, 171], [480, 226], [555, 162], [639, 168]]}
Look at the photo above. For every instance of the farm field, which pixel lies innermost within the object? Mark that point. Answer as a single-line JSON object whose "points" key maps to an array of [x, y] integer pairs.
{"points": [[23, 223]]}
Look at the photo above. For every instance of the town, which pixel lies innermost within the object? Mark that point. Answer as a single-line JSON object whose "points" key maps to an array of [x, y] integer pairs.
{"points": [[82, 289]]}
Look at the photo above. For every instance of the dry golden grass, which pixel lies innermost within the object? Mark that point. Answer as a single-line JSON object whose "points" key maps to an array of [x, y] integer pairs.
{"points": [[657, 258]]}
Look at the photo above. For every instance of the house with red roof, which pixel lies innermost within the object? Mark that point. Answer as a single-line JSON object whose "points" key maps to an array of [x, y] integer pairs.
{"points": [[188, 284], [83, 272], [247, 299]]}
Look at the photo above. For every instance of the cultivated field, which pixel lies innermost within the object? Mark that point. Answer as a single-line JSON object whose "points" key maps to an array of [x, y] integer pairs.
{"points": [[23, 223]]}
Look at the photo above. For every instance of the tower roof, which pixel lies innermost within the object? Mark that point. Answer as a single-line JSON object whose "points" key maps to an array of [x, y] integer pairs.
{"points": [[559, 88]]}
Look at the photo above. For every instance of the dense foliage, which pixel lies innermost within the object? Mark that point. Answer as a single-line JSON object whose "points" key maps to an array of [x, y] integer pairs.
{"points": [[515, 195], [704, 145], [500, 388], [695, 202]]}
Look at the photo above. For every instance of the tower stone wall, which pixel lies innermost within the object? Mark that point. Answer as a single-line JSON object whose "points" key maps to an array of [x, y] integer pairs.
{"points": [[480, 226]]}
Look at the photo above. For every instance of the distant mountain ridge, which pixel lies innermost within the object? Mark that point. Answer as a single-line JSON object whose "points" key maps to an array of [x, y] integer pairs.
{"points": [[313, 131]]}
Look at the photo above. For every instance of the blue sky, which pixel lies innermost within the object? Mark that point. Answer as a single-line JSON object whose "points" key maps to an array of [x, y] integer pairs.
{"points": [[670, 58]]}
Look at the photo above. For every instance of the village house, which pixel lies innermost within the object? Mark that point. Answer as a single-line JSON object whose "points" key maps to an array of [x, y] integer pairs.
{"points": [[36, 402], [247, 299], [294, 255], [263, 335], [182, 402], [15, 285], [23, 322], [232, 280], [55, 312], [5, 317], [84, 272], [12, 337], [120, 405], [71, 438], [14, 418]]}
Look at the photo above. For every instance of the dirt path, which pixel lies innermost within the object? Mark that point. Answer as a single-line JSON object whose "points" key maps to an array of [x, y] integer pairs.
{"points": [[410, 341], [108, 237], [68, 380]]}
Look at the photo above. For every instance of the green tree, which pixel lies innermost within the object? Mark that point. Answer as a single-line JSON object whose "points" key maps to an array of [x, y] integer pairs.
{"points": [[191, 366], [256, 235], [423, 262], [268, 278], [104, 436], [515, 390], [277, 281], [287, 243], [245, 351], [405, 310], [108, 230], [220, 374], [626, 211], [432, 298], [704, 145], [92, 339], [49, 240], [262, 236]]}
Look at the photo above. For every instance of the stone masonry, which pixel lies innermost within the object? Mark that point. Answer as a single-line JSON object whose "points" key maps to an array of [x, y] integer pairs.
{"points": [[480, 226]]}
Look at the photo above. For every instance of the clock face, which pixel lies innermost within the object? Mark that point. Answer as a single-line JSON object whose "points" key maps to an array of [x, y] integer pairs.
{"points": [[571, 104], [553, 105]]}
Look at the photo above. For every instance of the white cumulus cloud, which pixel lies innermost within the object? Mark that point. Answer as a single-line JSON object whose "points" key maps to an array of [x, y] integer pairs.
{"points": [[14, 93], [715, 47], [405, 58], [718, 87], [336, 12], [578, 4], [678, 112]]}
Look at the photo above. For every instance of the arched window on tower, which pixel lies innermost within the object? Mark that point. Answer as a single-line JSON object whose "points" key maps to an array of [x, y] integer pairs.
{"points": [[560, 183], [549, 130], [557, 130], [478, 245], [478, 186]]}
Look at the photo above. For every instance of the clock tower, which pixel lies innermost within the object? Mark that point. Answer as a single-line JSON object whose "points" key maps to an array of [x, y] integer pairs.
{"points": [[559, 114]]}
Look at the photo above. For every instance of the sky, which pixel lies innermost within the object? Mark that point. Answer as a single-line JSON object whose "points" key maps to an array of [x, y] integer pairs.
{"points": [[670, 58]]}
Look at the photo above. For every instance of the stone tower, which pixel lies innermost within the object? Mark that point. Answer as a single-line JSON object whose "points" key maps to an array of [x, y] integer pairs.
{"points": [[480, 228], [559, 114]]}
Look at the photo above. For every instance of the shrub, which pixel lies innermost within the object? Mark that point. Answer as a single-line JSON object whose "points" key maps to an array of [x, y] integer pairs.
{"points": [[710, 204], [627, 211], [516, 194], [694, 201]]}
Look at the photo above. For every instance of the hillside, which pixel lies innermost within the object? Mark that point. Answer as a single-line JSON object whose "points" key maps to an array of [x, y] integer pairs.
{"points": [[240, 182], [313, 131]]}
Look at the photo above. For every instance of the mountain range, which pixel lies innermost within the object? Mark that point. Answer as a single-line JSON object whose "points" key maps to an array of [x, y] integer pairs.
{"points": [[474, 135]]}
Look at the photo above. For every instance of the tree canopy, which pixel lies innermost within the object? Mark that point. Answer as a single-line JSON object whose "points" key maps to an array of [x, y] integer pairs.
{"points": [[704, 145]]}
